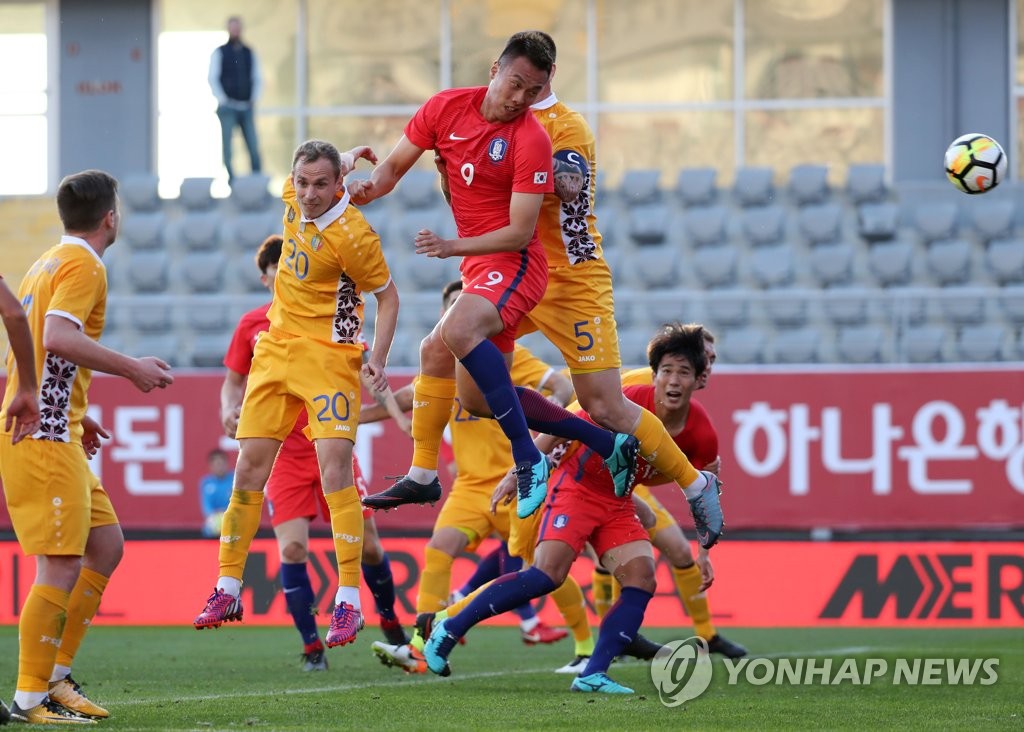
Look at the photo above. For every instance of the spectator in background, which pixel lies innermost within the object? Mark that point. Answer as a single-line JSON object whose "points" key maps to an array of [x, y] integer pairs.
{"points": [[236, 82], [215, 491]]}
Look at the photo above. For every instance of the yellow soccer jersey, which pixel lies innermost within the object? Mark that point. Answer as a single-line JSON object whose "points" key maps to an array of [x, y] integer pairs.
{"points": [[326, 264], [68, 280], [569, 230], [482, 452], [643, 376]]}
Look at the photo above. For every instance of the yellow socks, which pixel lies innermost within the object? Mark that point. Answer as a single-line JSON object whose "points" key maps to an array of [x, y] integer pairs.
{"points": [[688, 582], [667, 458], [82, 607], [435, 581], [347, 528], [432, 406], [569, 599], [601, 584], [40, 628], [237, 529]]}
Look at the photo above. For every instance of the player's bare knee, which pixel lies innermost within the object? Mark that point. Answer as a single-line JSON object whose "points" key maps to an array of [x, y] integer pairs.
{"points": [[449, 541], [639, 573], [556, 570], [678, 554], [294, 552], [434, 354]]}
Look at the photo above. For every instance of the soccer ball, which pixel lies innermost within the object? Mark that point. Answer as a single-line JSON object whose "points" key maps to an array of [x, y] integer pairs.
{"points": [[975, 163]]}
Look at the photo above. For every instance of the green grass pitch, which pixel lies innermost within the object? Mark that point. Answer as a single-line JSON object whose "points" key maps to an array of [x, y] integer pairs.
{"points": [[242, 677]]}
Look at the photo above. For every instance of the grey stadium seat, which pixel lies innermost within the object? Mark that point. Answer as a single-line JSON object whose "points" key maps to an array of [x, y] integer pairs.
{"points": [[754, 186], [200, 230], [801, 345], [832, 264], [992, 219], [742, 345], [697, 186], [194, 193], [143, 230], [865, 182], [649, 223], [208, 349], [981, 343], [716, 266], [139, 191], [924, 343], [1011, 300], [821, 224], [246, 231], [935, 221], [1005, 260], [207, 317], [420, 189], [152, 316], [633, 347], [772, 266], [250, 192], [786, 311], [640, 186], [764, 225], [961, 306], [891, 262], [727, 309], [165, 346], [877, 221], [949, 262], [860, 344], [706, 226], [808, 184], [204, 271], [848, 305], [148, 271], [655, 267], [245, 273]]}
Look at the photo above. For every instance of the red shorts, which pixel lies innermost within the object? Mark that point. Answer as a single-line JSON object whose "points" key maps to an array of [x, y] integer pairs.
{"points": [[293, 490], [576, 514], [514, 282]]}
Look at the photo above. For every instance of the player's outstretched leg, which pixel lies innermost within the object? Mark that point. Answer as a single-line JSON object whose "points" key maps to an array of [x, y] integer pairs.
{"points": [[405, 491], [706, 509], [531, 486], [220, 608]]}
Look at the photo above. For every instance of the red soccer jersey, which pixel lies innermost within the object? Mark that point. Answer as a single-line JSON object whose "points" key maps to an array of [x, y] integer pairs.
{"points": [[698, 441], [485, 161]]}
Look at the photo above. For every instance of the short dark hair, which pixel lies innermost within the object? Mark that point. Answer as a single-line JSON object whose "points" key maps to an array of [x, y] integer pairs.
{"points": [[528, 45], [269, 252], [83, 199], [537, 36], [684, 341], [312, 150], [447, 290]]}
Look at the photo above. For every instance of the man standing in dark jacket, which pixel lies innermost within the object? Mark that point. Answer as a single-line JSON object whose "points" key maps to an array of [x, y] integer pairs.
{"points": [[236, 82]]}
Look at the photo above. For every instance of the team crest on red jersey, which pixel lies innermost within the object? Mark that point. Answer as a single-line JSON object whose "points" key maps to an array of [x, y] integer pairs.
{"points": [[496, 149]]}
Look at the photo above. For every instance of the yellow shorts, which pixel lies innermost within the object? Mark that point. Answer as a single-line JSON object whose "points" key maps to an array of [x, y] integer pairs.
{"points": [[289, 373], [52, 496], [523, 534], [577, 314], [664, 518], [469, 510]]}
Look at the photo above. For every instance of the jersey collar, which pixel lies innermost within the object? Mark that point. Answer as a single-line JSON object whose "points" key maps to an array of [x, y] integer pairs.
{"points": [[549, 101], [78, 242], [331, 215]]}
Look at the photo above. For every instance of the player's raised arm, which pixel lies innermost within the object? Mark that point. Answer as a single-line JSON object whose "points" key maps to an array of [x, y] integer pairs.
{"points": [[522, 213], [379, 412], [387, 174]]}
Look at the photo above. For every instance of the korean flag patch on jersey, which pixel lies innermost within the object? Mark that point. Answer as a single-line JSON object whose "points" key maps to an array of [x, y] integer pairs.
{"points": [[496, 149], [540, 178]]}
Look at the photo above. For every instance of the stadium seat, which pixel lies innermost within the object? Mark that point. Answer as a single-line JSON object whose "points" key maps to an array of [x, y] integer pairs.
{"points": [[992, 219], [891, 262], [961, 305], [716, 266], [633, 347], [981, 343], [250, 192], [935, 221], [245, 273], [200, 230], [742, 346], [1011, 299], [832, 264], [808, 184], [860, 344], [194, 194], [114, 341], [165, 346], [800, 345], [143, 230], [697, 186], [640, 186], [655, 267], [420, 189], [649, 224], [207, 317], [246, 231], [706, 226], [877, 221], [772, 266], [924, 343], [148, 271], [725, 309], [1005, 259], [785, 310], [764, 225], [204, 271], [821, 224], [949, 261], [907, 304], [208, 349], [848, 305], [754, 186], [150, 316], [865, 182], [138, 191]]}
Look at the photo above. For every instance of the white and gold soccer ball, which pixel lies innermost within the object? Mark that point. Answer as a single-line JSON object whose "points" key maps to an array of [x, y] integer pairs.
{"points": [[975, 163]]}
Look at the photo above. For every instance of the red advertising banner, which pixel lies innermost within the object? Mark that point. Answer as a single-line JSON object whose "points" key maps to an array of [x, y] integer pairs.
{"points": [[758, 584], [801, 449]]}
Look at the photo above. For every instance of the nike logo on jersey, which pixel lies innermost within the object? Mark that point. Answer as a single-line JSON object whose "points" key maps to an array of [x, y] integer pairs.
{"points": [[453, 136]]}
